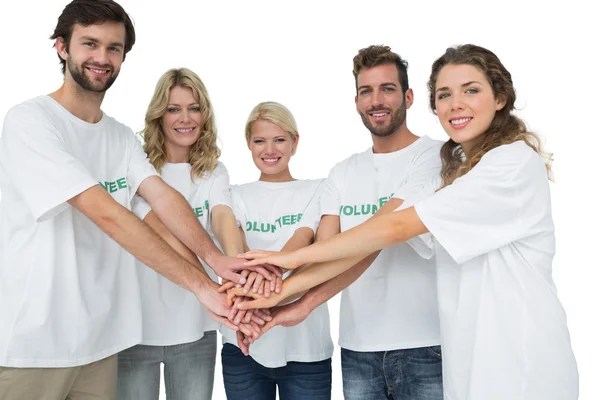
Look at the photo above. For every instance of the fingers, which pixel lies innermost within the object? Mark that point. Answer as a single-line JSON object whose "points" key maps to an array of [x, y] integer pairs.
{"points": [[274, 269], [243, 344], [256, 261], [278, 284], [252, 254], [260, 302], [233, 277], [257, 287], [250, 281], [223, 321], [261, 270], [266, 289], [269, 325], [225, 287], [263, 314]]}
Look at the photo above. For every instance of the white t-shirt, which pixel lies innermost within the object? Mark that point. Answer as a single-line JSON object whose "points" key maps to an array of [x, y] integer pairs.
{"points": [[393, 305], [270, 213], [69, 294], [504, 331], [171, 314]]}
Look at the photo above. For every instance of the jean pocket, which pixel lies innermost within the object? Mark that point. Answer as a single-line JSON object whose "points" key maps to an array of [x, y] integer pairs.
{"points": [[436, 351]]}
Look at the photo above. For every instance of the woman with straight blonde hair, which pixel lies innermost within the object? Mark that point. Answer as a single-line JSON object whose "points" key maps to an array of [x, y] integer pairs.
{"points": [[277, 212], [504, 331], [180, 139]]}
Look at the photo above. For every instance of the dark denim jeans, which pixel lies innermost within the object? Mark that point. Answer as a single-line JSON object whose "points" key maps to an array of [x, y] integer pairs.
{"points": [[245, 379], [410, 374]]}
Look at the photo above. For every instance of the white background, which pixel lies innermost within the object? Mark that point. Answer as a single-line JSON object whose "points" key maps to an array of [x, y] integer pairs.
{"points": [[300, 54]]}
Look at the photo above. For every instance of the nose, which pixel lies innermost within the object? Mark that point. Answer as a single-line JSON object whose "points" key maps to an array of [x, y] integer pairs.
{"points": [[270, 147], [185, 116], [377, 98], [101, 56], [457, 102]]}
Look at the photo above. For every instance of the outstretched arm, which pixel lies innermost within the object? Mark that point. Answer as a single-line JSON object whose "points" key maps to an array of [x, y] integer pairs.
{"points": [[355, 244]]}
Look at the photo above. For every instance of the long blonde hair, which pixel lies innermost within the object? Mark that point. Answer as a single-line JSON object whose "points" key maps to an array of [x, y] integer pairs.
{"points": [[505, 128], [204, 153], [275, 113]]}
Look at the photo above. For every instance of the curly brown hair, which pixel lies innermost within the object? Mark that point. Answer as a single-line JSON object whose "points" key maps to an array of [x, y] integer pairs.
{"points": [[505, 128]]}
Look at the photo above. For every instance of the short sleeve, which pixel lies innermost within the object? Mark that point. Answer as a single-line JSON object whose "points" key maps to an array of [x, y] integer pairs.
{"points": [[219, 191], [139, 167], [140, 207], [312, 213], [424, 171], [38, 164], [330, 194], [503, 199]]}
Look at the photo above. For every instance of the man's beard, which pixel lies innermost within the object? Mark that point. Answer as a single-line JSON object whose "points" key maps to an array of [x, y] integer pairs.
{"points": [[397, 119], [85, 82]]}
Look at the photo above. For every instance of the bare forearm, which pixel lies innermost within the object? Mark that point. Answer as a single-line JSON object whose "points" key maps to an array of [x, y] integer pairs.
{"points": [[378, 232], [156, 224], [326, 290], [226, 230], [301, 238], [136, 237], [177, 215]]}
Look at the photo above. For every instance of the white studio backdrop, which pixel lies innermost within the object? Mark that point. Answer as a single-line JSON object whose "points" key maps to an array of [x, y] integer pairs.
{"points": [[300, 54]]}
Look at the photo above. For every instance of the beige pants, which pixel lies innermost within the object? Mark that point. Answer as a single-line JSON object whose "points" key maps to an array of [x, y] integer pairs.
{"points": [[95, 381]]}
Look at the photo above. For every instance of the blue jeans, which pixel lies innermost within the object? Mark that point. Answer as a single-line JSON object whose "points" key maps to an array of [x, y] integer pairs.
{"points": [[245, 379], [189, 370], [409, 374]]}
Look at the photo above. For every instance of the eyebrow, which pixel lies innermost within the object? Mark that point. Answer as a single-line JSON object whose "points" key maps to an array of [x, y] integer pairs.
{"points": [[91, 39], [463, 85], [179, 105], [383, 84]]}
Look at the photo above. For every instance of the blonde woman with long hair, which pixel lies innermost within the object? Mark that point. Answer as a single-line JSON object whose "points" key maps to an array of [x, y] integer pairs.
{"points": [[504, 331], [180, 139]]}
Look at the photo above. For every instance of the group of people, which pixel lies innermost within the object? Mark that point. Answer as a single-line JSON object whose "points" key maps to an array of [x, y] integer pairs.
{"points": [[111, 250]]}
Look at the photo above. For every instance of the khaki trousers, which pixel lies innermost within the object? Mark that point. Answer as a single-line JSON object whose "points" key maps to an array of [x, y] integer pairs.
{"points": [[95, 381]]}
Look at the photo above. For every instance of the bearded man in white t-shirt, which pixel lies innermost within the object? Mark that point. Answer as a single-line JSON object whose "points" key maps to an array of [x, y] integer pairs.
{"points": [[69, 294], [389, 326]]}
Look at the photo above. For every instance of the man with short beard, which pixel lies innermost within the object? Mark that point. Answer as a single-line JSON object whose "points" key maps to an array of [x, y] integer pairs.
{"points": [[69, 294], [389, 327]]}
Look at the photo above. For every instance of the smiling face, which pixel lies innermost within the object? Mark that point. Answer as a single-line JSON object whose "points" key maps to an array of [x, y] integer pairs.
{"points": [[465, 103], [181, 123], [380, 101], [95, 54], [271, 148]]}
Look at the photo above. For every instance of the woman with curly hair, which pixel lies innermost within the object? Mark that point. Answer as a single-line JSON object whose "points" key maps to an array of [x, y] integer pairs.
{"points": [[180, 138], [504, 331]]}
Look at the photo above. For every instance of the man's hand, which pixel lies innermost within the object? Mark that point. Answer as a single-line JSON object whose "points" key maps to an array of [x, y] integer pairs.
{"points": [[288, 315]]}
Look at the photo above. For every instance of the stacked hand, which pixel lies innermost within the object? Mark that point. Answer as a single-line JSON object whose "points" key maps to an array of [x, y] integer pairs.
{"points": [[250, 302]]}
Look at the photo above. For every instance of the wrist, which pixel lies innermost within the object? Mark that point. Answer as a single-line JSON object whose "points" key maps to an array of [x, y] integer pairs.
{"points": [[309, 301], [198, 282], [212, 258]]}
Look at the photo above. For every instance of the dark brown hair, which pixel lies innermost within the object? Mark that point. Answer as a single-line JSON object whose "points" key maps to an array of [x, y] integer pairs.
{"points": [[92, 12], [505, 128], [376, 55]]}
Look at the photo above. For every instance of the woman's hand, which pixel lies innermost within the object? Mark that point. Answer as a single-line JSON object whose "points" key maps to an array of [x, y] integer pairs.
{"points": [[283, 260]]}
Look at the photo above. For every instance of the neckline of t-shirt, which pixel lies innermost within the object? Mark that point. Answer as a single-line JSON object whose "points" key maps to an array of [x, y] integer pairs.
{"points": [[182, 165], [73, 117], [277, 185], [387, 156]]}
